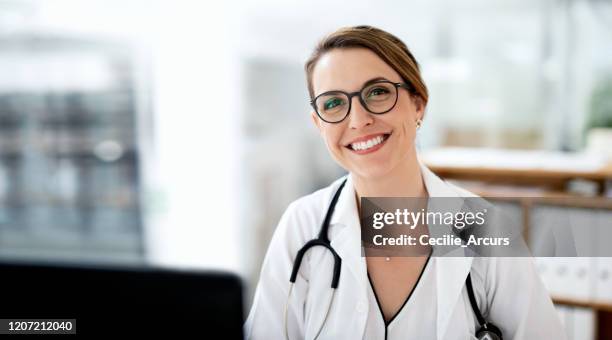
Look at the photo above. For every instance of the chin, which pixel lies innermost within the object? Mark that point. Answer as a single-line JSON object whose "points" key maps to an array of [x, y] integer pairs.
{"points": [[372, 171]]}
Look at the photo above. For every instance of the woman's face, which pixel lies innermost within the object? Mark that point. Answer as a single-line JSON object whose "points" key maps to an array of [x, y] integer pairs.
{"points": [[348, 70]]}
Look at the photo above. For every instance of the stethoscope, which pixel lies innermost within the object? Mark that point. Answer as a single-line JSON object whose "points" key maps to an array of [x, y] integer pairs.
{"points": [[487, 330]]}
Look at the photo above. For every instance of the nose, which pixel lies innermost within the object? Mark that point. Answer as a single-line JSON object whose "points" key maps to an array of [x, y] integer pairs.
{"points": [[359, 116]]}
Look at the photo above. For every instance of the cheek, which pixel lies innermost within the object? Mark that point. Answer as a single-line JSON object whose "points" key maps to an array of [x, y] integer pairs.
{"points": [[406, 118], [409, 126], [332, 138], [405, 129]]}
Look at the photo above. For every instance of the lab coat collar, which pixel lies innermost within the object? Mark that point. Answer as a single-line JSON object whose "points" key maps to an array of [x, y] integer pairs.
{"points": [[345, 235]]}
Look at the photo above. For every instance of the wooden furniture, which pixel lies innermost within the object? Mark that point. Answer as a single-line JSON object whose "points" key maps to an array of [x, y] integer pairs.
{"points": [[551, 170]]}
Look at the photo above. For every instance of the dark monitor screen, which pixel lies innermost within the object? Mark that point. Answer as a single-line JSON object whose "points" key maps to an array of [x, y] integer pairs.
{"points": [[116, 301]]}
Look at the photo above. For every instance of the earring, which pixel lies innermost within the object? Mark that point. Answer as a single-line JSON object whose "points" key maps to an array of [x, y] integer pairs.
{"points": [[419, 122]]}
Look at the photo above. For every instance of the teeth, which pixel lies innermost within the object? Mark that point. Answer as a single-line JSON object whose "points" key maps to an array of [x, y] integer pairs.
{"points": [[367, 144]]}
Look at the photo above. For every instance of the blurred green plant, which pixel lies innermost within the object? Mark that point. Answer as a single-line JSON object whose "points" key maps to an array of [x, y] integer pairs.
{"points": [[600, 115]]}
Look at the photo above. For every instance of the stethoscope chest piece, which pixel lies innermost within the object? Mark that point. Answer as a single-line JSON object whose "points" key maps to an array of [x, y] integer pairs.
{"points": [[488, 331]]}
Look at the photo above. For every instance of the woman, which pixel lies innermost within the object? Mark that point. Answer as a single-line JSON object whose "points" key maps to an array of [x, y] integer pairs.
{"points": [[368, 102]]}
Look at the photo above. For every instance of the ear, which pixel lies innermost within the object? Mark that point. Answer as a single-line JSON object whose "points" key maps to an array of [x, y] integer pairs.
{"points": [[316, 120], [420, 106]]}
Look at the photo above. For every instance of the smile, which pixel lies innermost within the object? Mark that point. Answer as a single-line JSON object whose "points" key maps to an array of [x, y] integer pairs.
{"points": [[371, 144]]}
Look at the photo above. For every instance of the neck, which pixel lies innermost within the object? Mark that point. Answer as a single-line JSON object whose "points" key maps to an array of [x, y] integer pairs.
{"points": [[405, 180]]}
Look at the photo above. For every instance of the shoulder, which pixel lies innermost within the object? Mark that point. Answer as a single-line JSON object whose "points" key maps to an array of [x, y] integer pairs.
{"points": [[303, 217], [462, 192], [317, 199], [439, 187]]}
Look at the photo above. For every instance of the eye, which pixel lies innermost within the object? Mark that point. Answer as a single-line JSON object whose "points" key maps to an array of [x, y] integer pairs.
{"points": [[332, 103], [377, 91]]}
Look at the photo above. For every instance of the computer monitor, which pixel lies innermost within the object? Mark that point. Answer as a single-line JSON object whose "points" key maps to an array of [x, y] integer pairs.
{"points": [[125, 300]]}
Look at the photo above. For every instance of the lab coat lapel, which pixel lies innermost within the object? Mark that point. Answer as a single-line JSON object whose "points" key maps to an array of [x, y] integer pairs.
{"points": [[345, 229], [451, 272]]}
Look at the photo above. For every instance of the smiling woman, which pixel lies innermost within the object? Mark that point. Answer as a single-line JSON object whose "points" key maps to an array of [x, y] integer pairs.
{"points": [[418, 297]]}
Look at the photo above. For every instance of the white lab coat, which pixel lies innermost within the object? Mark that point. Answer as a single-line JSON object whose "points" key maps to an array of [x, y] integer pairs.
{"points": [[508, 290]]}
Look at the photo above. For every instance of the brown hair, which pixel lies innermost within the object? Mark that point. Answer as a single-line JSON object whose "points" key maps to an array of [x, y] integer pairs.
{"points": [[387, 46]]}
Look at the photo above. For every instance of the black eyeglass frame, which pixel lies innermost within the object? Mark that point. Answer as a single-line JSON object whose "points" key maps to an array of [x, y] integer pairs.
{"points": [[350, 96]]}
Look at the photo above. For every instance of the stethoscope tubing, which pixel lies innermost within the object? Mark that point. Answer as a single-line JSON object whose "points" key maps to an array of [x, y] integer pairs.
{"points": [[322, 240]]}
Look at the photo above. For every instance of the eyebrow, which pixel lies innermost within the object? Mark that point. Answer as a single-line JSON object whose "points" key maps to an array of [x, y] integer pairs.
{"points": [[366, 83], [373, 80]]}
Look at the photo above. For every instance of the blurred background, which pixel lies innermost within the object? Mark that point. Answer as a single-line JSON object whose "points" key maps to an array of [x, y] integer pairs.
{"points": [[175, 133]]}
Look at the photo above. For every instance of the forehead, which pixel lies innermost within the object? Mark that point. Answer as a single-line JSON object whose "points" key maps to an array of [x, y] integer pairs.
{"points": [[347, 69]]}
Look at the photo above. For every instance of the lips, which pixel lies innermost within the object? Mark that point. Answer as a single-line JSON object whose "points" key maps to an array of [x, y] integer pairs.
{"points": [[368, 143]]}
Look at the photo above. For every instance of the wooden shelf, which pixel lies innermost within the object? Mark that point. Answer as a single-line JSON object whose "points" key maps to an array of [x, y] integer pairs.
{"points": [[556, 198], [537, 170], [595, 305], [511, 175]]}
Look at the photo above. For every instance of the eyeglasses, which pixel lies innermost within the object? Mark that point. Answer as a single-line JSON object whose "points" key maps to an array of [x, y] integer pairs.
{"points": [[377, 97]]}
